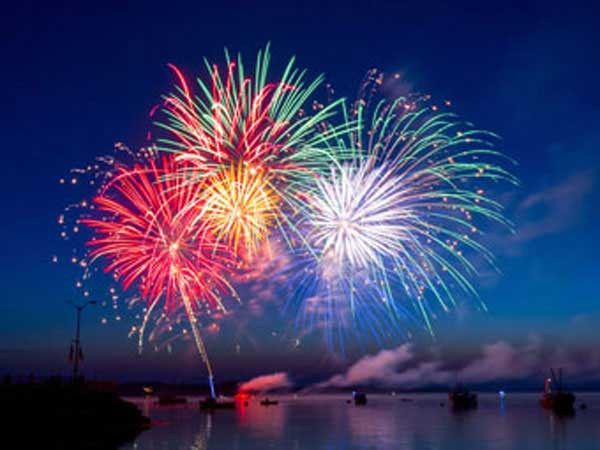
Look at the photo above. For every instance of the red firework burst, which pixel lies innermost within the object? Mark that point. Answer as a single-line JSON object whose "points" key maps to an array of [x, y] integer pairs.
{"points": [[146, 231]]}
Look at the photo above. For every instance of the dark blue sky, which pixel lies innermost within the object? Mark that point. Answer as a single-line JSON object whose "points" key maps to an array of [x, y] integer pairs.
{"points": [[77, 78]]}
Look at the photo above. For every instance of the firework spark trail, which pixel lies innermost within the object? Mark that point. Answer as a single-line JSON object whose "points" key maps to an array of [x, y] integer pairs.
{"points": [[198, 340], [398, 218], [260, 126], [146, 234]]}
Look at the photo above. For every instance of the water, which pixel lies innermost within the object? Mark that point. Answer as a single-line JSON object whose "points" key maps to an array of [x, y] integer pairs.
{"points": [[402, 422]]}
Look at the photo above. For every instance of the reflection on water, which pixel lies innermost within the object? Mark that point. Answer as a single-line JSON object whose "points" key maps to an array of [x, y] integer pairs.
{"points": [[266, 421], [202, 438], [411, 422]]}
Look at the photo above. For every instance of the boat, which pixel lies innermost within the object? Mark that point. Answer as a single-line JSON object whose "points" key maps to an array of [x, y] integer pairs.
{"points": [[267, 402], [558, 399], [211, 404], [169, 399], [461, 399], [360, 398]]}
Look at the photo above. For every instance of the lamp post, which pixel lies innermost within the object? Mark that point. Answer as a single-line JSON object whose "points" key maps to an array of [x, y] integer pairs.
{"points": [[77, 342]]}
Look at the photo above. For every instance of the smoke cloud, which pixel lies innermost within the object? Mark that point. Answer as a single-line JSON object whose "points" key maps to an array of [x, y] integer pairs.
{"points": [[405, 368], [265, 383]]}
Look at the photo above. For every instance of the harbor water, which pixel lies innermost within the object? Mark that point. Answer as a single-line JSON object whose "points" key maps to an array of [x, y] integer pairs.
{"points": [[402, 421]]}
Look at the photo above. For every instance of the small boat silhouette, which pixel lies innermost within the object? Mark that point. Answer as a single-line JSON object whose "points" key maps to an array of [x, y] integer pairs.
{"points": [[267, 402], [558, 399], [461, 399], [211, 404], [360, 398]]}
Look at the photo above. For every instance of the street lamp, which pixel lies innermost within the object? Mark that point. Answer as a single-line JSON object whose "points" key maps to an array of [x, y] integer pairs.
{"points": [[77, 353]]}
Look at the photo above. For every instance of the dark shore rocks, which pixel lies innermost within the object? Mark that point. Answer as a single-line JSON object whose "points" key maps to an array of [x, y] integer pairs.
{"points": [[67, 416]]}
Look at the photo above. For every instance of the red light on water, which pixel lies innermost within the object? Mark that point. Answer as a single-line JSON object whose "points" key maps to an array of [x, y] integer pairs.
{"points": [[241, 396]]}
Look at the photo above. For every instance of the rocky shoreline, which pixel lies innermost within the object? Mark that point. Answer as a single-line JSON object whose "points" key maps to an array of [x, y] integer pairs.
{"points": [[55, 415]]}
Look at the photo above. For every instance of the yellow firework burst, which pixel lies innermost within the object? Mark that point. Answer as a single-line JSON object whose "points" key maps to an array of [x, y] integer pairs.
{"points": [[241, 206]]}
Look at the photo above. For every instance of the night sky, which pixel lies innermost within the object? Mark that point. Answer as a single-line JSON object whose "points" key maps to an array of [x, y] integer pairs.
{"points": [[77, 78]]}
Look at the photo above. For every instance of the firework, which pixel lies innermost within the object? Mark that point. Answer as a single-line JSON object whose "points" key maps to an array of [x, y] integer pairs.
{"points": [[394, 233], [241, 205], [236, 122], [382, 212], [146, 233]]}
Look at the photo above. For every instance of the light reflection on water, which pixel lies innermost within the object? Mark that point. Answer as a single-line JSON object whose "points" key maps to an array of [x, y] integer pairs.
{"points": [[402, 422]]}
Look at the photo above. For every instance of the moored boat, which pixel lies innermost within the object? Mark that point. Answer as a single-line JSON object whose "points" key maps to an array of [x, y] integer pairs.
{"points": [[558, 399], [268, 402], [360, 398], [211, 404], [460, 398]]}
